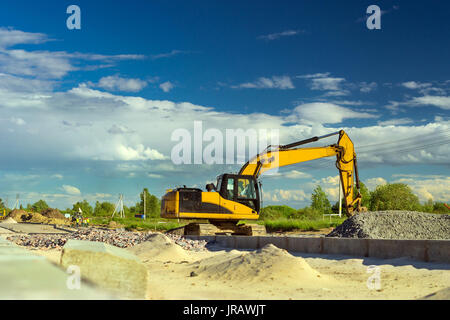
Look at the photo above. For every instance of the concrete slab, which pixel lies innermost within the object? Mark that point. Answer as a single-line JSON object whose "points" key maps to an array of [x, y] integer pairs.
{"points": [[387, 249], [352, 247], [31, 228], [307, 245], [110, 267], [25, 276]]}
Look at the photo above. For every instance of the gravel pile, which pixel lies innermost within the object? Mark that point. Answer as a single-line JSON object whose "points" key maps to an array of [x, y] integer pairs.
{"points": [[407, 225], [121, 239]]}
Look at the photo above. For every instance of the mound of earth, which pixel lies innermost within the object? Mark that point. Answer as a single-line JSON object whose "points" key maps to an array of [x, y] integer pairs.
{"points": [[267, 264], [23, 216], [399, 225], [114, 225], [17, 215], [161, 248], [53, 213]]}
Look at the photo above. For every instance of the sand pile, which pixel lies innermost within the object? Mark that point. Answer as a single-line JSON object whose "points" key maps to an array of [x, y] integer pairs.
{"points": [[161, 248], [53, 213], [267, 264], [52, 218], [406, 225]]}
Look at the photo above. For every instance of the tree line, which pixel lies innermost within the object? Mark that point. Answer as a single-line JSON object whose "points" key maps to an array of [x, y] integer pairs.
{"points": [[391, 196], [102, 209]]}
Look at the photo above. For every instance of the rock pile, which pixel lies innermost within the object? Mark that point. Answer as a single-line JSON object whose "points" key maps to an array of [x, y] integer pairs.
{"points": [[121, 239], [407, 225]]}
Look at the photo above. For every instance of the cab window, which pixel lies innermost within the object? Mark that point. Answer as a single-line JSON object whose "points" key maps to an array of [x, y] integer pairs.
{"points": [[246, 189], [230, 188]]}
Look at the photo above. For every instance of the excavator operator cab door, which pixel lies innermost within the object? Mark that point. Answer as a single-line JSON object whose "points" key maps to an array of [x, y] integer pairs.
{"points": [[240, 188]]}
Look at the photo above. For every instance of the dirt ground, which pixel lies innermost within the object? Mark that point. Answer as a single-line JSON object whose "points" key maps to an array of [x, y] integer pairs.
{"points": [[273, 273]]}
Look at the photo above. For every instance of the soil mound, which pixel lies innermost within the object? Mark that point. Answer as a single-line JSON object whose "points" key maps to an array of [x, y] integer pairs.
{"points": [[53, 213], [401, 225]]}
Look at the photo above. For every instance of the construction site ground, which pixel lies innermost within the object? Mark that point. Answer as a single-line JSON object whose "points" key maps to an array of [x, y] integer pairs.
{"points": [[214, 272]]}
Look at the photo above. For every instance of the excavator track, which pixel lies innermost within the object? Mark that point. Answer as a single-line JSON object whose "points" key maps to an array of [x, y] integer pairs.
{"points": [[212, 229]]}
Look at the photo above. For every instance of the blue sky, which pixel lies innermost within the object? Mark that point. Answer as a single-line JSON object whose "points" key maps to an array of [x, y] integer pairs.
{"points": [[88, 114]]}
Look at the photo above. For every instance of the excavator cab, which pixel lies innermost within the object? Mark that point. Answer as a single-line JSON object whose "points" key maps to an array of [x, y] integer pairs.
{"points": [[243, 189]]}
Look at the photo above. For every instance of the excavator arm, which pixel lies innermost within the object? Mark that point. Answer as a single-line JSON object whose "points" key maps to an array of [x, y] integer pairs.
{"points": [[280, 156]]}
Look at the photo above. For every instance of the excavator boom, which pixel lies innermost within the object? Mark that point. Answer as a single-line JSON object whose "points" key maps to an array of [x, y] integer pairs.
{"points": [[280, 156]]}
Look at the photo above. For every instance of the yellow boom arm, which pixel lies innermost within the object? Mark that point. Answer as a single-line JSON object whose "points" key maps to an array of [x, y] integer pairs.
{"points": [[280, 156]]}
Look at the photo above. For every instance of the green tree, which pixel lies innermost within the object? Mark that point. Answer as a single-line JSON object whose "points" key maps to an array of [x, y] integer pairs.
{"points": [[103, 209], [319, 201], [395, 196], [2, 205], [428, 206], [85, 207], [152, 204], [39, 206], [365, 194]]}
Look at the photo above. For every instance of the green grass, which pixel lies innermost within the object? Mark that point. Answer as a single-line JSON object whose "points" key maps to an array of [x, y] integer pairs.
{"points": [[155, 224], [301, 224], [272, 225]]}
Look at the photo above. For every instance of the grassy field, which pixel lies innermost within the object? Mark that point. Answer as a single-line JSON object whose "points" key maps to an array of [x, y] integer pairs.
{"points": [[275, 225], [155, 224]]}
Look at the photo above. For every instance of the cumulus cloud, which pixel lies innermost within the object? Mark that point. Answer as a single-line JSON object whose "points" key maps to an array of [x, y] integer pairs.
{"points": [[373, 183], [275, 82], [442, 102], [320, 112], [71, 190]]}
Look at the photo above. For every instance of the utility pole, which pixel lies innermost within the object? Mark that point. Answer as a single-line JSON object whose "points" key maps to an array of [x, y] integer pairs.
{"points": [[145, 196]]}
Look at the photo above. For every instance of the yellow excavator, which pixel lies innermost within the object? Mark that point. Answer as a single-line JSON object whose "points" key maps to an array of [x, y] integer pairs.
{"points": [[237, 196]]}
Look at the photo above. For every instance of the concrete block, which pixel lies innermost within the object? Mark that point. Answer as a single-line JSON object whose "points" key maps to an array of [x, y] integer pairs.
{"points": [[279, 242], [389, 249], [246, 242], [226, 241], [307, 245], [25, 276], [438, 251], [109, 267], [351, 247]]}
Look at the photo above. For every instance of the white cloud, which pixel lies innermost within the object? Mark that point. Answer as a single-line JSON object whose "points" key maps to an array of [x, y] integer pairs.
{"points": [[413, 85], [425, 187], [57, 176], [442, 102], [395, 122], [166, 86], [367, 87], [116, 83], [327, 83], [281, 195], [372, 183], [320, 112], [292, 174], [275, 82], [18, 121], [274, 36], [71, 190], [10, 37]]}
